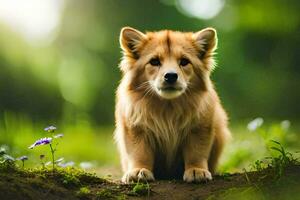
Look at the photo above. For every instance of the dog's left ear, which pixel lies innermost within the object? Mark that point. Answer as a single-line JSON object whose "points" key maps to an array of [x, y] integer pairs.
{"points": [[131, 40], [206, 41]]}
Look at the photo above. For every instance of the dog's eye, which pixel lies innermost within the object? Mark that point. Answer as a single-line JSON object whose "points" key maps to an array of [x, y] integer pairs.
{"points": [[184, 62], [155, 62]]}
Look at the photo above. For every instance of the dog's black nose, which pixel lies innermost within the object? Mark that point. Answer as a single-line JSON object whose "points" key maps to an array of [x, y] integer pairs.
{"points": [[171, 77]]}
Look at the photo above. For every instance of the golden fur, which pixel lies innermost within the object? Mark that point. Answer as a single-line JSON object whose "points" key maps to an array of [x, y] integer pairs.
{"points": [[168, 132]]}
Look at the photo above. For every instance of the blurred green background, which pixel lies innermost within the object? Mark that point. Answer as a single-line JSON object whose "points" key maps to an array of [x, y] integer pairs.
{"points": [[59, 66]]}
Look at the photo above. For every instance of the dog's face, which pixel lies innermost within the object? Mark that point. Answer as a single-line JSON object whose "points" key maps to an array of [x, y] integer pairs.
{"points": [[168, 63]]}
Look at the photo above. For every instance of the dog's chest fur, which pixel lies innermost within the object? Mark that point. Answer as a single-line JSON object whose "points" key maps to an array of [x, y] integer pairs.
{"points": [[165, 125]]}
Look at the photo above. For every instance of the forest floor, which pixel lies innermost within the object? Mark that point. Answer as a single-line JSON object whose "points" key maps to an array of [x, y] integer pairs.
{"points": [[70, 183]]}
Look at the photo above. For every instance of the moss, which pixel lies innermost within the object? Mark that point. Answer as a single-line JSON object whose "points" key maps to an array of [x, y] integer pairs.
{"points": [[105, 194], [121, 197], [7, 166], [68, 177], [225, 176], [141, 189], [72, 183], [78, 175], [70, 180], [83, 192], [45, 179]]}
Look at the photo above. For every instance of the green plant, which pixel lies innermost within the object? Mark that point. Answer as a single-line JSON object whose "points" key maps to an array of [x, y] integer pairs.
{"points": [[5, 159], [23, 159], [278, 162], [48, 141], [275, 131], [282, 160]]}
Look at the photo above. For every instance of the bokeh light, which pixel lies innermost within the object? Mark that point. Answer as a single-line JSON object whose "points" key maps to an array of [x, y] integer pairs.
{"points": [[202, 9], [34, 19]]}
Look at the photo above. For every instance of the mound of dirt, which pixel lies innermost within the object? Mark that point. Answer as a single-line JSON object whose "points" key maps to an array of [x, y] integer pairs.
{"points": [[70, 184]]}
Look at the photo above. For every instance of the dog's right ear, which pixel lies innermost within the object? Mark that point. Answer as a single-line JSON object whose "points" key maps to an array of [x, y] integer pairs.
{"points": [[131, 40]]}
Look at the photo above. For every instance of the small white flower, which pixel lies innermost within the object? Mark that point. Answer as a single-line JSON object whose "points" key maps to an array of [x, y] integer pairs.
{"points": [[254, 124], [285, 125], [8, 158], [23, 158], [50, 129], [48, 163], [59, 160], [59, 136], [67, 164], [4, 148], [86, 165]]}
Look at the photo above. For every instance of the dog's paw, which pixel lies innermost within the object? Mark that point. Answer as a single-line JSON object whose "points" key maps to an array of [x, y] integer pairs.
{"points": [[197, 175], [138, 174]]}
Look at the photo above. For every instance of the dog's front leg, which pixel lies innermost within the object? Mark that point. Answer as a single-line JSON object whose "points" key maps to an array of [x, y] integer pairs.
{"points": [[140, 159], [196, 152]]}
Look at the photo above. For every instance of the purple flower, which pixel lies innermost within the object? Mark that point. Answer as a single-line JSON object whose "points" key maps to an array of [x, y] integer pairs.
{"points": [[58, 135], [50, 129], [22, 158], [42, 141]]}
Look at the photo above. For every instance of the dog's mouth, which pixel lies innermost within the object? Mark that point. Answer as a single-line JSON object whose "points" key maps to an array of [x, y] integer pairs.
{"points": [[169, 92], [170, 89]]}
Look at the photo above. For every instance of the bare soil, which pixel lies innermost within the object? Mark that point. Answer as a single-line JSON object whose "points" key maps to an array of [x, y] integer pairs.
{"points": [[18, 184]]}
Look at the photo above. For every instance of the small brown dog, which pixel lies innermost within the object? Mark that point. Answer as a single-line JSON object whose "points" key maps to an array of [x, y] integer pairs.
{"points": [[169, 119]]}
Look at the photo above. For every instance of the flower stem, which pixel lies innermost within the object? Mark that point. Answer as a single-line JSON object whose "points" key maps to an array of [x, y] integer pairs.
{"points": [[52, 152], [23, 164]]}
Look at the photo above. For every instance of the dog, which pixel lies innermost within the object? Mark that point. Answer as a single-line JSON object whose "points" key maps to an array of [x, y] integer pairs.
{"points": [[170, 123]]}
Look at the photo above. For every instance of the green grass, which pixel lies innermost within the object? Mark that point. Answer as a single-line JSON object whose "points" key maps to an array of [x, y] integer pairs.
{"points": [[84, 142], [279, 172], [81, 142], [248, 147]]}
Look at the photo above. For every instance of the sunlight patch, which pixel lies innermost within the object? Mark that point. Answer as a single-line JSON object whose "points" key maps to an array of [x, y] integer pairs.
{"points": [[35, 20], [202, 9]]}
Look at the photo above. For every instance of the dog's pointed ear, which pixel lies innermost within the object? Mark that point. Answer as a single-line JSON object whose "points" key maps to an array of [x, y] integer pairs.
{"points": [[206, 42], [131, 40]]}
